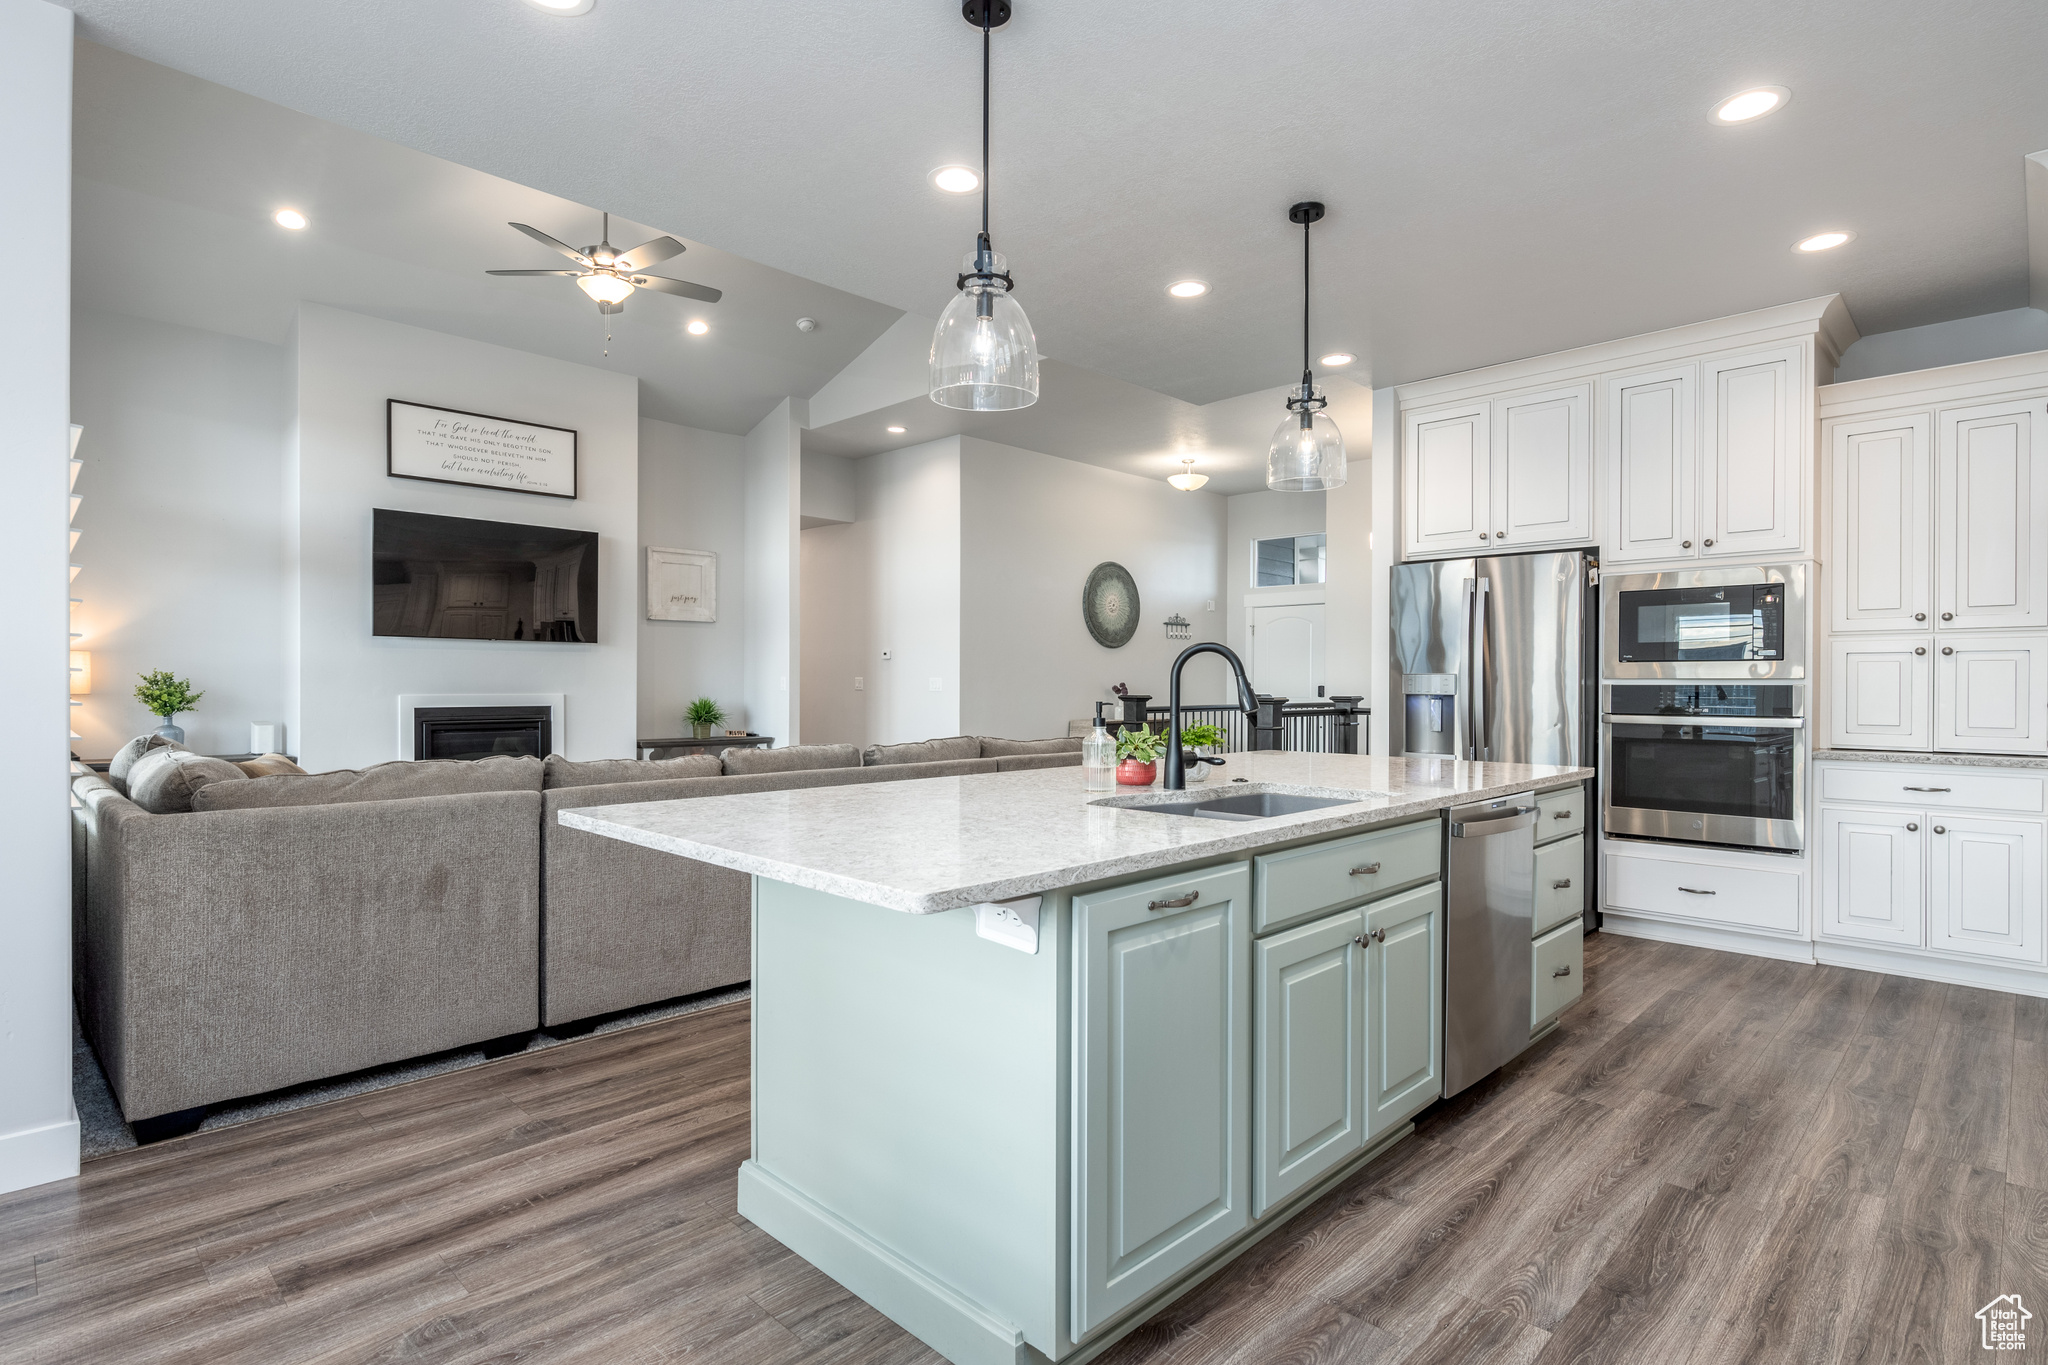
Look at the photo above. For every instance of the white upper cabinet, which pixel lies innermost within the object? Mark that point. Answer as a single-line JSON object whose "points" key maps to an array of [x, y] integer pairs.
{"points": [[1883, 689], [1650, 435], [1991, 509], [1543, 468], [1448, 474], [1752, 453], [1881, 523], [1991, 693]]}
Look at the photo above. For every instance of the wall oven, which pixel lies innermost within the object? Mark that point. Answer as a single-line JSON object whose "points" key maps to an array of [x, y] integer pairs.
{"points": [[1738, 624], [1705, 762]]}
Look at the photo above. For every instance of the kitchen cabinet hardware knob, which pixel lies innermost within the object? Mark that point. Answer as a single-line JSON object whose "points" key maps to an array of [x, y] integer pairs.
{"points": [[1912, 828], [1363, 940], [1707, 544], [1500, 535], [1948, 616], [1366, 870], [1565, 970], [1927, 789], [1948, 649], [1920, 649], [1564, 885], [1177, 903], [1695, 891], [1379, 936], [1919, 616], [1482, 535], [1941, 829], [1685, 545]]}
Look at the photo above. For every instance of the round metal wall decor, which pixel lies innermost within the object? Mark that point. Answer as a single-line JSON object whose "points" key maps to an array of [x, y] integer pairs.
{"points": [[1109, 604]]}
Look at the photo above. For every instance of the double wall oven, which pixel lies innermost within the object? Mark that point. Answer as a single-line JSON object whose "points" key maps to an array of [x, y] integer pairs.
{"points": [[1703, 706]]}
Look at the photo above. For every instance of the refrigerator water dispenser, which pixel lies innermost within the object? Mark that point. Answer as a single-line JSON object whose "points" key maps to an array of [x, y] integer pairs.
{"points": [[1431, 718]]}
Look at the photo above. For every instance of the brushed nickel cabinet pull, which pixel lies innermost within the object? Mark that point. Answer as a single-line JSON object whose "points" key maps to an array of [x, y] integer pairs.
{"points": [[1941, 829], [1927, 789], [1685, 545], [1919, 649], [1919, 616], [1948, 649], [1564, 885], [1563, 971], [1562, 815], [1178, 903], [1379, 936], [1912, 827], [1695, 891], [1366, 870], [1363, 940], [1706, 544], [1948, 616]]}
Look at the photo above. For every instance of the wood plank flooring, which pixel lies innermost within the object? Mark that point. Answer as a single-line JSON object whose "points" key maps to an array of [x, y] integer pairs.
{"points": [[1714, 1159]]}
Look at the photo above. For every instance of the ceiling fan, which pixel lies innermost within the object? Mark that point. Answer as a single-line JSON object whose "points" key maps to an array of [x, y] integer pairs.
{"points": [[609, 275]]}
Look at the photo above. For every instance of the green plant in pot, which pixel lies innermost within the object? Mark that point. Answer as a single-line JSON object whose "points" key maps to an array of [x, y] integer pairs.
{"points": [[1202, 749], [702, 714], [1137, 754], [166, 694]]}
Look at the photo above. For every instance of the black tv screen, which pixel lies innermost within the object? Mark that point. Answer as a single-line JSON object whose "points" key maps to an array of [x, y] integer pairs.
{"points": [[452, 578]]}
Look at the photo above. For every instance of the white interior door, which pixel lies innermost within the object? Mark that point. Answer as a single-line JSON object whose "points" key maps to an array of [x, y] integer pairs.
{"points": [[1287, 650]]}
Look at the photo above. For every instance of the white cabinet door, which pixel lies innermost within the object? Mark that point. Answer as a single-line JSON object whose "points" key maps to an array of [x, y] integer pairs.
{"points": [[1543, 468], [1991, 693], [1650, 432], [1882, 692], [1447, 467], [1881, 523], [1985, 887], [1871, 875], [1753, 453], [1992, 506]]}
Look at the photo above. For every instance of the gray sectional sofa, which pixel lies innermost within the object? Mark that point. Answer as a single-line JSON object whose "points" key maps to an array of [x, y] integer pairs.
{"points": [[292, 928]]}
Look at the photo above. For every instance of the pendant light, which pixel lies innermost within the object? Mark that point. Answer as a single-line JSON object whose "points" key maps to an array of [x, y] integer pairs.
{"points": [[1307, 454], [984, 356]]}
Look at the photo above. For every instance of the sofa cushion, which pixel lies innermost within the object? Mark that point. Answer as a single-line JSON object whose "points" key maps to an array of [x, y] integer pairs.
{"points": [[923, 751], [383, 782], [166, 781], [125, 756], [270, 765], [560, 772], [795, 758], [1009, 748]]}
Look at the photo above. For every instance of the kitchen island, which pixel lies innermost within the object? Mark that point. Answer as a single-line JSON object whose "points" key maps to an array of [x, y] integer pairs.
{"points": [[1028, 1061]]}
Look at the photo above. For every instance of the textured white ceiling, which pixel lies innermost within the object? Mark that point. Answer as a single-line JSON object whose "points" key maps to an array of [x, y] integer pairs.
{"points": [[1504, 178]]}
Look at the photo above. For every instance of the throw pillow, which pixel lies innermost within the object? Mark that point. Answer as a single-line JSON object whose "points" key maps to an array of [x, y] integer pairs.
{"points": [[270, 765], [789, 760], [561, 772], [166, 781], [125, 756], [382, 782], [923, 751], [1010, 748]]}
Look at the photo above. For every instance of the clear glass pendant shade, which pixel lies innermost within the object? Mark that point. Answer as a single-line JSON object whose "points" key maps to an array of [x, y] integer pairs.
{"points": [[984, 355], [1305, 459]]}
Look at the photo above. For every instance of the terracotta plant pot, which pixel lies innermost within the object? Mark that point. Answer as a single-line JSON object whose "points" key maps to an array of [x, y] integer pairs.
{"points": [[1131, 773]]}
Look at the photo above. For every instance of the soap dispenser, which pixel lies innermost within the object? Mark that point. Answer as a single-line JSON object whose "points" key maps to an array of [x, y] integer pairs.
{"points": [[1098, 757]]}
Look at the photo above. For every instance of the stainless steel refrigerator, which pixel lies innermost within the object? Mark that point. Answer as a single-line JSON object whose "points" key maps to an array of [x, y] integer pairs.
{"points": [[1495, 660]]}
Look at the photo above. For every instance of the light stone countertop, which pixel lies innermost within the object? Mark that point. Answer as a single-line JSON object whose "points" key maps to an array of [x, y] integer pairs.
{"points": [[933, 844], [1935, 760]]}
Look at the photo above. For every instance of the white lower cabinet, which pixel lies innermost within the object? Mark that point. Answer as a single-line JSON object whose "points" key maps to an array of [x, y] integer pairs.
{"points": [[1871, 869], [1984, 887]]}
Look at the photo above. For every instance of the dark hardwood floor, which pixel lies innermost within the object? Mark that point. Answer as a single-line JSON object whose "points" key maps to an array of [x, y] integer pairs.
{"points": [[1715, 1158]]}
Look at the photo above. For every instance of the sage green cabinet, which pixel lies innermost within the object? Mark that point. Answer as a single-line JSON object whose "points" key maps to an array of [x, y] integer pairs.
{"points": [[1163, 1025], [1309, 1051], [1404, 991]]}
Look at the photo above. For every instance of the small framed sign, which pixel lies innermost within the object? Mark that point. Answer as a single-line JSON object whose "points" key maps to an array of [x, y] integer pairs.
{"points": [[682, 585], [444, 445]]}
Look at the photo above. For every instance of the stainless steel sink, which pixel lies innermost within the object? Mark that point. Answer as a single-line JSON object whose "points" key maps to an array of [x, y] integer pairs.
{"points": [[1246, 805]]}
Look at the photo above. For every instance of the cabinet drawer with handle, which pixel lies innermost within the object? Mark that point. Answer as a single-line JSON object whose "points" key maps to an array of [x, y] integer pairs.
{"points": [[1300, 883], [1560, 972], [1560, 814], [1560, 884], [1934, 788], [1751, 897]]}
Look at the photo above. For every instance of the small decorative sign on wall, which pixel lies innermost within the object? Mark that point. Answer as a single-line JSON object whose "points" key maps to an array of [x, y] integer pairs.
{"points": [[682, 585], [443, 445]]}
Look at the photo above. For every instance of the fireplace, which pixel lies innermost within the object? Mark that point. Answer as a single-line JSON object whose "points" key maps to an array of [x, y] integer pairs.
{"points": [[482, 731]]}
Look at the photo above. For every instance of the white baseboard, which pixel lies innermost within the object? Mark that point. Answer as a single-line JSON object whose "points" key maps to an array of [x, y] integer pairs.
{"points": [[1706, 936], [1988, 975], [37, 1156]]}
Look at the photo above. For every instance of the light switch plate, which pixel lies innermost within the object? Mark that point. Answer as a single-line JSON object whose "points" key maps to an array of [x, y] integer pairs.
{"points": [[1012, 923], [860, 684], [938, 684]]}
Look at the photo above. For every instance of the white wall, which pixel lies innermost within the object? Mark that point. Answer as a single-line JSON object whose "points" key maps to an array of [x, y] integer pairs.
{"points": [[1261, 516], [1383, 545], [2013, 332], [692, 497], [838, 629], [349, 681], [38, 1126], [828, 490], [183, 537], [774, 619], [1032, 528]]}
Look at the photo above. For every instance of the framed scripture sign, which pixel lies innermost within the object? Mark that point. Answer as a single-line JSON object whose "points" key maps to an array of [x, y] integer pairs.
{"points": [[682, 585], [443, 445]]}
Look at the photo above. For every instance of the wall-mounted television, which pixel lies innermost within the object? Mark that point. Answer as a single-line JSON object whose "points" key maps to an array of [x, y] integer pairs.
{"points": [[454, 578]]}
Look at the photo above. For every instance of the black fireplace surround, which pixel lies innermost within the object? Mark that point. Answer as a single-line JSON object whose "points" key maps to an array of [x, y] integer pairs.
{"points": [[481, 731]]}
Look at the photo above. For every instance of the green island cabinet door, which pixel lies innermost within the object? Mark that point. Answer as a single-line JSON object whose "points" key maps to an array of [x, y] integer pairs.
{"points": [[1404, 972], [1162, 1123], [1309, 1049]]}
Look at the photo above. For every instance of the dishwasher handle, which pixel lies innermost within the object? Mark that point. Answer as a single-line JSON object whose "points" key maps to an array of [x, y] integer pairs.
{"points": [[1507, 822]]}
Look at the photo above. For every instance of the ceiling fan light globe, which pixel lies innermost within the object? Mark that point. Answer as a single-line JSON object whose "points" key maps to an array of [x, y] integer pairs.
{"points": [[984, 363], [605, 288], [1306, 459]]}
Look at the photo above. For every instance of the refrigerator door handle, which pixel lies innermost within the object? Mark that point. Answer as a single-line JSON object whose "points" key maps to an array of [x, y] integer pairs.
{"points": [[1475, 664]]}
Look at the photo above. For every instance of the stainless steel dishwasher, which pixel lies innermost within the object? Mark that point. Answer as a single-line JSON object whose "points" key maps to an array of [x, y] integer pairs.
{"points": [[1489, 907]]}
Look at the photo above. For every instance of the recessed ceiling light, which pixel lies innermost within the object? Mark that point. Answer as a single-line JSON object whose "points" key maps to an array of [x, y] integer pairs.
{"points": [[697, 327], [565, 8], [291, 218], [894, 431], [957, 179], [1188, 289], [1753, 103], [1824, 241], [1336, 358]]}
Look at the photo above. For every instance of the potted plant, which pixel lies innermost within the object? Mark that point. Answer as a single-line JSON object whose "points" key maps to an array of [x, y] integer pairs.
{"points": [[702, 714], [166, 694], [1137, 753], [1200, 741]]}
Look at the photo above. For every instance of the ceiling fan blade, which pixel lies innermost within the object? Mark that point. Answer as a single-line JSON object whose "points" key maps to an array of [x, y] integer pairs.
{"points": [[571, 252], [703, 292], [570, 273], [650, 253]]}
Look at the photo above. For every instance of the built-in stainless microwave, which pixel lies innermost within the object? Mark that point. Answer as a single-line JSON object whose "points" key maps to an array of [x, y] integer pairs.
{"points": [[1746, 624]]}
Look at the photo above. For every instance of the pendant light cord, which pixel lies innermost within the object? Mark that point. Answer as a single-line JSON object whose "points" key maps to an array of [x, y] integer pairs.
{"points": [[1304, 311], [986, 6]]}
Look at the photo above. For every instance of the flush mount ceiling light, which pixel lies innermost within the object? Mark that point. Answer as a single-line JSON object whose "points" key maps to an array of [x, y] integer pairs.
{"points": [[562, 8], [609, 275], [1751, 104], [1187, 481], [1335, 359], [696, 327], [957, 179], [1187, 289], [1307, 454], [1823, 241], [894, 431], [984, 356], [290, 218]]}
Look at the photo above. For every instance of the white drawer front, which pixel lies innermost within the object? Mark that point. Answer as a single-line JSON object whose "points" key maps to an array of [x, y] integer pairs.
{"points": [[1560, 814], [1746, 897], [1935, 788], [1560, 884]]}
